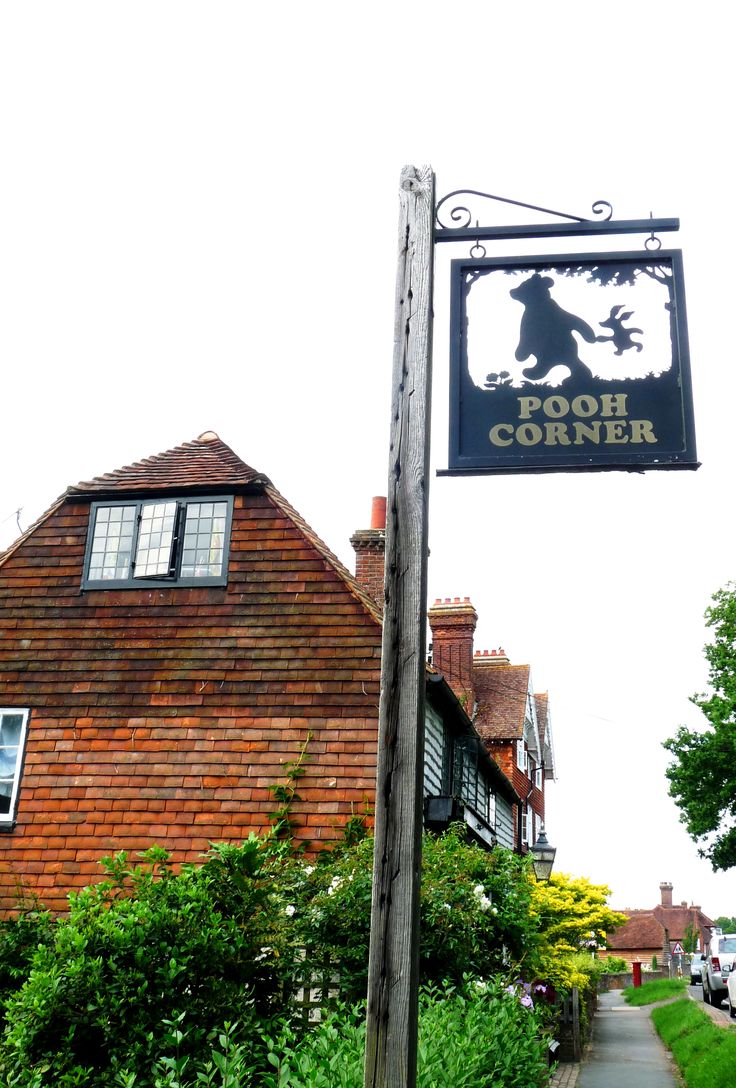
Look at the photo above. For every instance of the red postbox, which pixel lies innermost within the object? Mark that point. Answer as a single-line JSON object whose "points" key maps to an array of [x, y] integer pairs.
{"points": [[636, 969]]}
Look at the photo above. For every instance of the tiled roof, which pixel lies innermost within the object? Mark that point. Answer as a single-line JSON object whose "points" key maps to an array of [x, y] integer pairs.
{"points": [[501, 694], [541, 704], [677, 919], [354, 586], [642, 930], [205, 462], [646, 928]]}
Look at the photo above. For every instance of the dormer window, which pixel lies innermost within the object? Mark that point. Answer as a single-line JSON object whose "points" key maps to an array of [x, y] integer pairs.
{"points": [[158, 542]]}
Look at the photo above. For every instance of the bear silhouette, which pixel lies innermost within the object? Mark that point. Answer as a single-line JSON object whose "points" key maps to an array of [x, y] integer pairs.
{"points": [[547, 331]]}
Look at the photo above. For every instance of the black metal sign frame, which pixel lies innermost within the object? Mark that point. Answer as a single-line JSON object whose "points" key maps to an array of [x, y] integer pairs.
{"points": [[553, 409]]}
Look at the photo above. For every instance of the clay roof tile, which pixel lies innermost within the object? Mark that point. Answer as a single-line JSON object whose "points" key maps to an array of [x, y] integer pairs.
{"points": [[204, 462], [501, 693]]}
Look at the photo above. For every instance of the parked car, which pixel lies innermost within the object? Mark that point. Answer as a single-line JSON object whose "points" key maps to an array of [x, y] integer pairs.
{"points": [[731, 993], [696, 965], [717, 967]]}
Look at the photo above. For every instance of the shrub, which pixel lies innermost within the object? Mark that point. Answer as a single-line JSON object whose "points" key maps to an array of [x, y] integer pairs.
{"points": [[144, 948], [20, 937], [475, 1036], [475, 909], [614, 965]]}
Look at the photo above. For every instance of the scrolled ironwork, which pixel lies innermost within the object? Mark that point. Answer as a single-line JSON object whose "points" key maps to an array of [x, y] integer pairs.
{"points": [[599, 207], [461, 216]]}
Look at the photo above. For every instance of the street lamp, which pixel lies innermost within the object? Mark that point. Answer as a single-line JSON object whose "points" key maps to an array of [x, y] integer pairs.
{"points": [[543, 857]]}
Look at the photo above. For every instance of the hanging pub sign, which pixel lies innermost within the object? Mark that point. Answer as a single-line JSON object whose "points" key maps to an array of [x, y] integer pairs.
{"points": [[570, 362]]}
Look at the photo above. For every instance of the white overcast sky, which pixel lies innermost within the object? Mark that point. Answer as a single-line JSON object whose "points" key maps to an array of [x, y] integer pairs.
{"points": [[198, 212]]}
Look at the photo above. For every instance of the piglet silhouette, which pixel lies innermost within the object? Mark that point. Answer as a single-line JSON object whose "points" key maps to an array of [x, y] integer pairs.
{"points": [[547, 331], [622, 338]]}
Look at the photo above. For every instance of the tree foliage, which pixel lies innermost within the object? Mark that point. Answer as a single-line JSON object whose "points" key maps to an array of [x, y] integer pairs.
{"points": [[702, 775], [573, 915]]}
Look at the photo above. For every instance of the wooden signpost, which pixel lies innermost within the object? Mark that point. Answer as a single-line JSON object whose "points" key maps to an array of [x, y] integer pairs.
{"points": [[391, 1035], [531, 403]]}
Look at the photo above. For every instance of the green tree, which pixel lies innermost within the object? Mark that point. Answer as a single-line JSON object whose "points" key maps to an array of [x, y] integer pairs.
{"points": [[573, 916], [702, 775], [690, 940], [728, 925]]}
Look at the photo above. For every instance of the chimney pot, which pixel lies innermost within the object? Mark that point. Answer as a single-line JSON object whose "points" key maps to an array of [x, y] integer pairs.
{"points": [[378, 512]]}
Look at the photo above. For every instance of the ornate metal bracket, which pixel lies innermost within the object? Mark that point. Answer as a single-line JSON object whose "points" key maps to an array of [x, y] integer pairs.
{"points": [[460, 215]]}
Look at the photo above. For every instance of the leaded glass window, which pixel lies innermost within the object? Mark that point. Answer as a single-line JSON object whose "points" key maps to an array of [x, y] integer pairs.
{"points": [[170, 540], [204, 539], [155, 540], [112, 543]]}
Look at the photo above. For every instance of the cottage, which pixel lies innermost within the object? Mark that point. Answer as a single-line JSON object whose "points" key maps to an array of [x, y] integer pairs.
{"points": [[512, 721], [172, 636], [664, 931]]}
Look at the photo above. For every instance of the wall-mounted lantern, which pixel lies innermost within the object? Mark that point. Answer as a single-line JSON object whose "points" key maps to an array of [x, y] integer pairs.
{"points": [[543, 857]]}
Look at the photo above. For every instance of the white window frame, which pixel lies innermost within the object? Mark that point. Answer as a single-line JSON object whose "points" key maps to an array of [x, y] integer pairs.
{"points": [[521, 762], [524, 828], [8, 818], [491, 808]]}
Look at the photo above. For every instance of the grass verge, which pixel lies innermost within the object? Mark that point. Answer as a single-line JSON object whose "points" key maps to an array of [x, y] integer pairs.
{"points": [[705, 1053], [659, 990]]}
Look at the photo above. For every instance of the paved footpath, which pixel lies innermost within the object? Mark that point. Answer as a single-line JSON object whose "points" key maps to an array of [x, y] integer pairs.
{"points": [[626, 1050]]}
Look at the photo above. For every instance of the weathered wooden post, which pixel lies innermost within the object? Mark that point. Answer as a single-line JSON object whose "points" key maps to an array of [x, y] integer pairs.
{"points": [[391, 1040]]}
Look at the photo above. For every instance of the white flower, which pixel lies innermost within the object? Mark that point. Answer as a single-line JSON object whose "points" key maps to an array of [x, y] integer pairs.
{"points": [[484, 902], [479, 890], [446, 906], [290, 910], [334, 885], [308, 870]]}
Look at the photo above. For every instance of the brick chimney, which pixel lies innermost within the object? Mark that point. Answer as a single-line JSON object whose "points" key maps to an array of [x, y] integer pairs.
{"points": [[665, 890], [370, 551], [452, 623]]}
